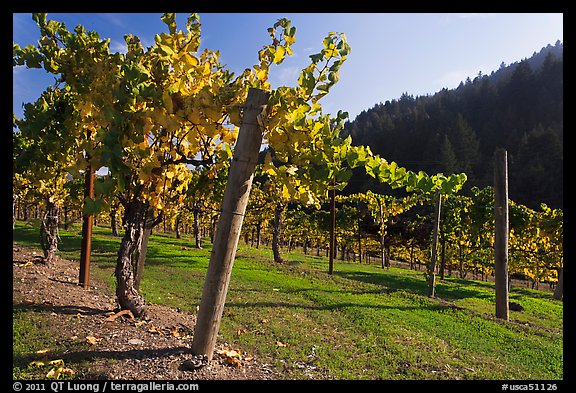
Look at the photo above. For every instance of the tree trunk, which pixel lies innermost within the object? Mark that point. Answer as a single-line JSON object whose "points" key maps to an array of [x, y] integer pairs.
{"points": [[128, 256], [141, 257], [14, 202], [559, 290], [49, 233], [197, 235], [258, 234], [114, 221], [277, 232], [177, 227], [66, 221], [213, 227]]}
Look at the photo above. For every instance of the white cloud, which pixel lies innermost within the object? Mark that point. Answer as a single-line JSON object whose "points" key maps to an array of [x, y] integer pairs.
{"points": [[116, 46], [285, 76]]}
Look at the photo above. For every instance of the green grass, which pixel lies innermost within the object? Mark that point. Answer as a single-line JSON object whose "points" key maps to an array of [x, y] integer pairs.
{"points": [[363, 322]]}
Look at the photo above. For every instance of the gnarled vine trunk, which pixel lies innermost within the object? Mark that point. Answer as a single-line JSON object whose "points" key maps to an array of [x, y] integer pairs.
{"points": [[49, 233], [114, 220], [559, 290], [138, 223], [197, 234]]}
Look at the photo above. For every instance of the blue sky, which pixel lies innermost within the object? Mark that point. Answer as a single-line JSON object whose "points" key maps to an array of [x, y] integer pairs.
{"points": [[416, 53]]}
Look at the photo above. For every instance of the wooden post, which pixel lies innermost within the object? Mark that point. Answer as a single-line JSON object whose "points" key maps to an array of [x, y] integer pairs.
{"points": [[434, 256], [229, 225], [501, 233], [87, 220], [332, 228], [359, 234]]}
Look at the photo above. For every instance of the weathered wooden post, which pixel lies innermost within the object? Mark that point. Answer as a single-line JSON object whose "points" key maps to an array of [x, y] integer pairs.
{"points": [[332, 228], [87, 221], [229, 225], [434, 256], [501, 233]]}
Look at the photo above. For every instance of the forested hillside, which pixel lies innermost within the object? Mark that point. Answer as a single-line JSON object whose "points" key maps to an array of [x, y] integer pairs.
{"points": [[519, 107]]}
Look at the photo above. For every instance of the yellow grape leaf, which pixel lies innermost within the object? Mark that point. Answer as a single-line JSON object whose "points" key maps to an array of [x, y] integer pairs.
{"points": [[189, 60], [262, 74], [281, 344], [279, 55], [207, 69], [167, 100], [234, 115], [229, 137], [285, 192], [42, 351], [36, 363], [92, 340], [213, 114], [57, 362], [54, 373]]}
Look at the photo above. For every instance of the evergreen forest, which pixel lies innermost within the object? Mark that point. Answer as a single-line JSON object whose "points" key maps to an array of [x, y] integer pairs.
{"points": [[518, 107]]}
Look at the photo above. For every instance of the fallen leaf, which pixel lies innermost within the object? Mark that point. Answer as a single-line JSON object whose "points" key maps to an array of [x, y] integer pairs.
{"points": [[233, 361], [57, 362], [36, 363], [174, 332], [92, 340], [226, 352], [263, 321], [54, 373], [68, 371], [240, 332], [281, 344], [111, 318], [27, 264], [154, 329], [42, 351], [138, 324]]}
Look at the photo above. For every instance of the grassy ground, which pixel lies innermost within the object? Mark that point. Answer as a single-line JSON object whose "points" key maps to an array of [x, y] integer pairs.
{"points": [[360, 323]]}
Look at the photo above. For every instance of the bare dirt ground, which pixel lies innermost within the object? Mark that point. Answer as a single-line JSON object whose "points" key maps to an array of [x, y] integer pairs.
{"points": [[89, 334]]}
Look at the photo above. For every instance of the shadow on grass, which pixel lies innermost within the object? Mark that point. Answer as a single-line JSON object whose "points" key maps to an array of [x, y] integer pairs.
{"points": [[61, 310], [390, 281], [328, 307], [418, 286]]}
